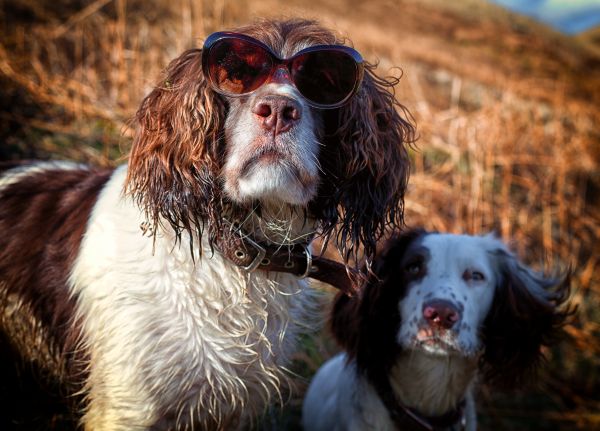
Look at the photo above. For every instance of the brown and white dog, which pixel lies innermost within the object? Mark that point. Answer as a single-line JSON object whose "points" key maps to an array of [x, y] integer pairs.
{"points": [[440, 310], [156, 327]]}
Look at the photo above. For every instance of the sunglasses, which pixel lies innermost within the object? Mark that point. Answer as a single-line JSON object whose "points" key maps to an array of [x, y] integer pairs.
{"points": [[327, 76]]}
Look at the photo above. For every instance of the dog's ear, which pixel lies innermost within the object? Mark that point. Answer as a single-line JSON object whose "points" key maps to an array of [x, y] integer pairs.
{"points": [[367, 165], [176, 150], [366, 324], [528, 312]]}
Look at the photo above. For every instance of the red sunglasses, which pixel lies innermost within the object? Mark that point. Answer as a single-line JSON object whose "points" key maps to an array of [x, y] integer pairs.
{"points": [[327, 76]]}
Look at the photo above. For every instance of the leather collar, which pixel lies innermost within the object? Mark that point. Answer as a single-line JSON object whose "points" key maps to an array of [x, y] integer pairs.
{"points": [[413, 420], [297, 259], [294, 259], [406, 418]]}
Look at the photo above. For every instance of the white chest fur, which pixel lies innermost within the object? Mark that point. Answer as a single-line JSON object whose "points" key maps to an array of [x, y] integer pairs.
{"points": [[168, 337], [341, 399]]}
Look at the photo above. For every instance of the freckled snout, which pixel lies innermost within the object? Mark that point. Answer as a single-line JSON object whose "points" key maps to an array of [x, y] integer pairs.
{"points": [[277, 113], [441, 314]]}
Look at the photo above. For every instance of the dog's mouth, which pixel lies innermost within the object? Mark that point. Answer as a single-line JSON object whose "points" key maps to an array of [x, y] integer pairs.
{"points": [[270, 173], [437, 341], [266, 156]]}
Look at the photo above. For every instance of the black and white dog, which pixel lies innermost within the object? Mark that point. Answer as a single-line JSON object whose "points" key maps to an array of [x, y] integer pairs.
{"points": [[440, 310]]}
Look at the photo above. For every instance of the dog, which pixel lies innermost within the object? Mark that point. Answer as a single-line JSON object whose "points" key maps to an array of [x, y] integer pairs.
{"points": [[168, 293], [438, 311]]}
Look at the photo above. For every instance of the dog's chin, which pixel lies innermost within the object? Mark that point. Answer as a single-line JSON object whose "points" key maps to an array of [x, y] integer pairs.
{"points": [[437, 343], [274, 181], [436, 347]]}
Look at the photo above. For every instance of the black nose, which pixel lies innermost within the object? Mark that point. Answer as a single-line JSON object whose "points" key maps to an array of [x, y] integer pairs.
{"points": [[441, 313], [277, 113]]}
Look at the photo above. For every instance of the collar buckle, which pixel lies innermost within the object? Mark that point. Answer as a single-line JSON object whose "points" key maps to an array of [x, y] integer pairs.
{"points": [[261, 252]]}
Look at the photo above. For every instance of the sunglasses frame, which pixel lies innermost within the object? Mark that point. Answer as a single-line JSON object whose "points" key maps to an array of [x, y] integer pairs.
{"points": [[214, 38]]}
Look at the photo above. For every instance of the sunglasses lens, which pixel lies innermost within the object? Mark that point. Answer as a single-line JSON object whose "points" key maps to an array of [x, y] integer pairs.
{"points": [[325, 77], [238, 66]]}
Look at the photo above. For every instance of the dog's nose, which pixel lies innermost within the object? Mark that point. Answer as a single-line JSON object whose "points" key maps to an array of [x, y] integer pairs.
{"points": [[277, 113], [441, 313]]}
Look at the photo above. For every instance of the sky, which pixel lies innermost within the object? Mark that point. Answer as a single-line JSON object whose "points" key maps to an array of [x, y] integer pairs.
{"points": [[568, 16]]}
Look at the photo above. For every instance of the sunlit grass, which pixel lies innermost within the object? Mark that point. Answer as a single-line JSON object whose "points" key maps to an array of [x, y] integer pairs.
{"points": [[507, 114]]}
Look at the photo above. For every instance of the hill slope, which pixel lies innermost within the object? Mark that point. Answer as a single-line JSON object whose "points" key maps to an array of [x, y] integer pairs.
{"points": [[507, 112]]}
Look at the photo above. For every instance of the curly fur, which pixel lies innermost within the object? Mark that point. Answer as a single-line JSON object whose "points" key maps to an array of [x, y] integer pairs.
{"points": [[153, 327], [178, 154]]}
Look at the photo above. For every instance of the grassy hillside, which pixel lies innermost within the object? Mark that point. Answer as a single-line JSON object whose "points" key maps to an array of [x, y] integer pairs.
{"points": [[507, 113]]}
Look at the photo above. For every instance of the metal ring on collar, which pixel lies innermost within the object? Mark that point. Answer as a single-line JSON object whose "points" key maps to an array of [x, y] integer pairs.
{"points": [[308, 261]]}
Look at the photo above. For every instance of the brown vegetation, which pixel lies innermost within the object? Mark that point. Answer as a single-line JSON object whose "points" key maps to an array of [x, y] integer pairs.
{"points": [[507, 114]]}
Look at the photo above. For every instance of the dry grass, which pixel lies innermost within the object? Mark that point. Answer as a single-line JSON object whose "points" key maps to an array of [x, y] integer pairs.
{"points": [[507, 113]]}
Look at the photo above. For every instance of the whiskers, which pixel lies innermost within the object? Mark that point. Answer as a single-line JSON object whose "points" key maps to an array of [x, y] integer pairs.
{"points": [[283, 225]]}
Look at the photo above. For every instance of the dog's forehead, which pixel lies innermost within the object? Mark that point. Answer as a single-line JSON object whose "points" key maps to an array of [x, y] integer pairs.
{"points": [[449, 248], [287, 47], [289, 40], [416, 248]]}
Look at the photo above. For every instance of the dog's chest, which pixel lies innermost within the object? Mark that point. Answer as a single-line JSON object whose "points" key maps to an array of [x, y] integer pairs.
{"points": [[175, 335]]}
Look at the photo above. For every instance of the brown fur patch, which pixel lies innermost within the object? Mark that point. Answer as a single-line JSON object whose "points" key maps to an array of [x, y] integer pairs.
{"points": [[178, 151], [43, 217]]}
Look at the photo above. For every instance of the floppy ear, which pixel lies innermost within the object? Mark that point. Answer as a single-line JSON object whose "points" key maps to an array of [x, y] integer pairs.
{"points": [[176, 151], [528, 312], [366, 161], [366, 324]]}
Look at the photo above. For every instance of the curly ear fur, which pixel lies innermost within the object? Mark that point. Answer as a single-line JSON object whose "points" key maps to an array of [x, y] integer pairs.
{"points": [[366, 324], [367, 163], [528, 312], [177, 149], [364, 157]]}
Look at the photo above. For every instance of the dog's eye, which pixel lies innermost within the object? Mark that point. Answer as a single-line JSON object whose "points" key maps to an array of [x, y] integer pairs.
{"points": [[413, 268], [470, 275], [477, 276]]}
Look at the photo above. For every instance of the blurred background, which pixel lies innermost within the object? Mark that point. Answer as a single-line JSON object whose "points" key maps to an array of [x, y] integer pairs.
{"points": [[507, 111]]}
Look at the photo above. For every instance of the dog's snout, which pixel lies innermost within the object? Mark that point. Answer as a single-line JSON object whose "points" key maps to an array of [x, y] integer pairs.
{"points": [[441, 313], [277, 113]]}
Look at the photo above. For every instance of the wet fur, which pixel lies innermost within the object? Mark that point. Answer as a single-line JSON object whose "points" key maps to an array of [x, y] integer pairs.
{"points": [[151, 326]]}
